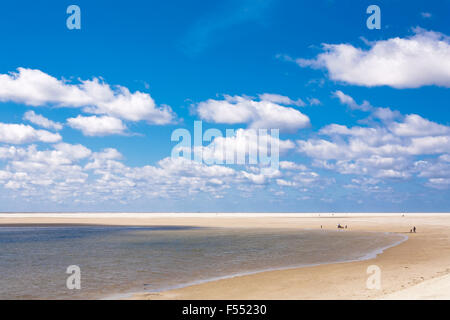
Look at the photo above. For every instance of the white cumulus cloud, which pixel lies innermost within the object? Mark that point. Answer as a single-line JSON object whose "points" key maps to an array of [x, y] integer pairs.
{"points": [[418, 60], [257, 114], [277, 98], [36, 88], [97, 126], [386, 149], [41, 121], [21, 133]]}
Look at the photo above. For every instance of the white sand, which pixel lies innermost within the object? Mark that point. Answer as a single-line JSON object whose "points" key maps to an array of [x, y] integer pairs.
{"points": [[434, 289]]}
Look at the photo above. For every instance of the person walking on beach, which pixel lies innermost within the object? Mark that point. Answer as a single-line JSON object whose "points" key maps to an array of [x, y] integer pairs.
{"points": [[414, 229]]}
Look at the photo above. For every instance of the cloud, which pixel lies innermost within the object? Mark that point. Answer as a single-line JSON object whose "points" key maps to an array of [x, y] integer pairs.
{"points": [[36, 88], [59, 175], [436, 171], [280, 99], [257, 114], [285, 183], [415, 125], [73, 151], [384, 114], [386, 149], [244, 143], [97, 126], [445, 158], [426, 15], [379, 141], [298, 175], [277, 98], [68, 173], [259, 178], [439, 183], [349, 101], [42, 121], [419, 60], [20, 133], [289, 165], [314, 102], [48, 174]]}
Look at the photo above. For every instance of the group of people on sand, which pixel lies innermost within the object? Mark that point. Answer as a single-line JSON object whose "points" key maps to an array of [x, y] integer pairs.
{"points": [[339, 226], [413, 230]]}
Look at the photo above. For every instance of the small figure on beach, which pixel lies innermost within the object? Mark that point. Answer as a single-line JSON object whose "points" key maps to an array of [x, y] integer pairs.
{"points": [[320, 226], [340, 227], [410, 230], [345, 226], [414, 229]]}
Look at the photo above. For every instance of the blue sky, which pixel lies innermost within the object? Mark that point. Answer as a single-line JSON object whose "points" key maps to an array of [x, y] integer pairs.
{"points": [[86, 116]]}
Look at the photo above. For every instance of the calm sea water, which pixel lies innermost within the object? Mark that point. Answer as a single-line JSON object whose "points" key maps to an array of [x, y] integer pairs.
{"points": [[119, 260]]}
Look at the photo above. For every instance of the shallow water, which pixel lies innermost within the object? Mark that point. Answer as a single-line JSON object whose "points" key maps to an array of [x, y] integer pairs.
{"points": [[118, 260]]}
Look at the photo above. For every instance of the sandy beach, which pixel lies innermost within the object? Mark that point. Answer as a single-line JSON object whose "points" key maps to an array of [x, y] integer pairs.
{"points": [[418, 268]]}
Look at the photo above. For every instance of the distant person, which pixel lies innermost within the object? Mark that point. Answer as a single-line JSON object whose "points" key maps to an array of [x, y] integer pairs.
{"points": [[414, 229], [410, 230]]}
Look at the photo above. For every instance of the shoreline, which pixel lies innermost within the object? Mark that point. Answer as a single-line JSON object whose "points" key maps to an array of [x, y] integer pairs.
{"points": [[424, 257], [371, 255]]}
